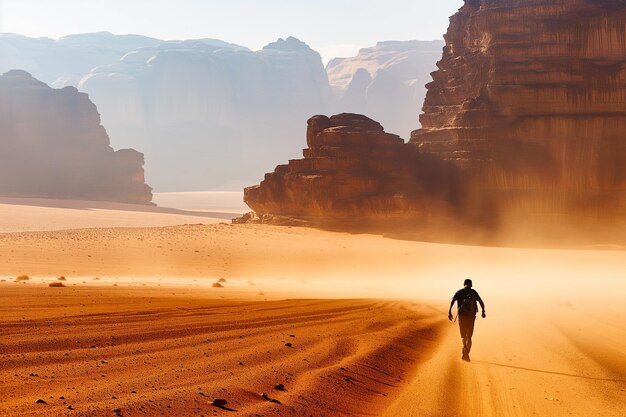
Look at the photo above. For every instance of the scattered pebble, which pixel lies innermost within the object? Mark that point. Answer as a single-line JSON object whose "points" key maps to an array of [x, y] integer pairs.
{"points": [[40, 401], [288, 344], [219, 402], [279, 387]]}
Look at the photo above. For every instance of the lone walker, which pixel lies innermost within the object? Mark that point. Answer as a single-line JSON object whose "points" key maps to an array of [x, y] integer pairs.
{"points": [[466, 299]]}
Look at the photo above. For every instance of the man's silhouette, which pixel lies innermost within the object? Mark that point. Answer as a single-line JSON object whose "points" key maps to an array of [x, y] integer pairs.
{"points": [[466, 299]]}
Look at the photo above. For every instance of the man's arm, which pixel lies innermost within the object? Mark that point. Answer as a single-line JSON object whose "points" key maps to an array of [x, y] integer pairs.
{"points": [[450, 310], [482, 304]]}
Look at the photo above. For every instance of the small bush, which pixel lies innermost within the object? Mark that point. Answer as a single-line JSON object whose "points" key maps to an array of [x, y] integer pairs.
{"points": [[217, 285], [56, 284], [22, 278], [61, 278]]}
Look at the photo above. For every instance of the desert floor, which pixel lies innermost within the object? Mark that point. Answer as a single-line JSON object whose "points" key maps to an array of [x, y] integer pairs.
{"points": [[140, 328]]}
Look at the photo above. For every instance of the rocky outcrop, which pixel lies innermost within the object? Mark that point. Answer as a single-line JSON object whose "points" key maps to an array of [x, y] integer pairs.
{"points": [[386, 81], [52, 145], [353, 171], [530, 101]]}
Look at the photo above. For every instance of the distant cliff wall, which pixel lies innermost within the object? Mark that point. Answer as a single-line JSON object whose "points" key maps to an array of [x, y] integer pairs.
{"points": [[52, 145]]}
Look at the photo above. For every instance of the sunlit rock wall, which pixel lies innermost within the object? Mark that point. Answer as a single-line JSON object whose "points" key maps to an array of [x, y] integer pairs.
{"points": [[530, 100]]}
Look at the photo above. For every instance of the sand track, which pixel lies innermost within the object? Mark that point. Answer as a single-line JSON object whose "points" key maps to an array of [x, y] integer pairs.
{"points": [[176, 353], [557, 362]]}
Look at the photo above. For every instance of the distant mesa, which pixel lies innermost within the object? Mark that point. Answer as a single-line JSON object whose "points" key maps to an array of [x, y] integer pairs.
{"points": [[52, 145], [208, 114]]}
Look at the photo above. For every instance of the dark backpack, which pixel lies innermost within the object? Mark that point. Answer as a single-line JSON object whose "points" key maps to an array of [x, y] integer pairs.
{"points": [[467, 304]]}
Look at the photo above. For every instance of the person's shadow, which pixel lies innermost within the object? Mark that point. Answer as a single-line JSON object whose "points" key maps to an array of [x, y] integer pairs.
{"points": [[548, 372]]}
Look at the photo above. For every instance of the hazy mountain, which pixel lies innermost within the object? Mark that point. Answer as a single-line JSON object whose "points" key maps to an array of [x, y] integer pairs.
{"points": [[208, 114], [386, 82]]}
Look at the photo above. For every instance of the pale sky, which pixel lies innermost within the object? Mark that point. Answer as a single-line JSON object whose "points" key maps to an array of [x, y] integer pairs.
{"points": [[332, 27]]}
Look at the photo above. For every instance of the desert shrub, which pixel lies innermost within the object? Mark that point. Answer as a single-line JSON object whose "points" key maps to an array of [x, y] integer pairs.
{"points": [[61, 278], [56, 284], [22, 278]]}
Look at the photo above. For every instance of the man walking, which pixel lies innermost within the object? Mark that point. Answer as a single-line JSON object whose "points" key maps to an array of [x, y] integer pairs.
{"points": [[466, 299]]}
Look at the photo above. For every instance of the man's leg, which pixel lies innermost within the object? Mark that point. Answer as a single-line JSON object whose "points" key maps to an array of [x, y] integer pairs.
{"points": [[463, 327], [469, 332]]}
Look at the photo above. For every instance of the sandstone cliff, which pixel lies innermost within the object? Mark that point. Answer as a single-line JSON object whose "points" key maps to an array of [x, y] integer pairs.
{"points": [[530, 100], [353, 171], [52, 145], [523, 125]]}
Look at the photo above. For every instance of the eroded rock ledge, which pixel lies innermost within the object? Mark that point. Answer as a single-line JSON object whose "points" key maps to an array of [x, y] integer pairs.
{"points": [[353, 171]]}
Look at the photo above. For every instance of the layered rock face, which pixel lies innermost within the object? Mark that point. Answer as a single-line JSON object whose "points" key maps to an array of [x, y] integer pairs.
{"points": [[353, 171], [52, 145], [386, 81], [530, 101]]}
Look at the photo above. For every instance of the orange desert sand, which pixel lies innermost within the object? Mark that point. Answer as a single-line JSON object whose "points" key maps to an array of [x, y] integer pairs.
{"points": [[349, 324]]}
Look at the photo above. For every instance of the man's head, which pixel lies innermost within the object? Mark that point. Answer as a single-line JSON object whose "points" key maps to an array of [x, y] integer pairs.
{"points": [[468, 283]]}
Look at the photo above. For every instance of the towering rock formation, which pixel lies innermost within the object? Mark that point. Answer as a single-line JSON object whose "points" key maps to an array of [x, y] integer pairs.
{"points": [[354, 172], [52, 145], [530, 100], [525, 120]]}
